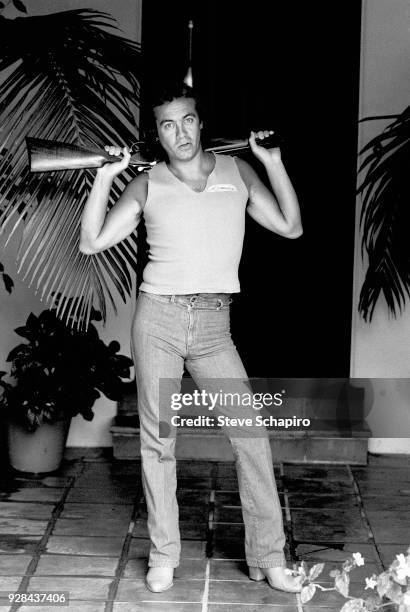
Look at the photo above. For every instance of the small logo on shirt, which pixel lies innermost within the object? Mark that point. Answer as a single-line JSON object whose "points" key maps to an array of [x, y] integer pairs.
{"points": [[222, 187]]}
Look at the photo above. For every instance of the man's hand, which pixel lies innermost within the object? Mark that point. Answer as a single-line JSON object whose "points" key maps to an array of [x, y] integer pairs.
{"points": [[113, 169], [266, 156]]}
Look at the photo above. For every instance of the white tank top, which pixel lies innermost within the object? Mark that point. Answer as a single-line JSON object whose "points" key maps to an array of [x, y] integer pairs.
{"points": [[195, 239]]}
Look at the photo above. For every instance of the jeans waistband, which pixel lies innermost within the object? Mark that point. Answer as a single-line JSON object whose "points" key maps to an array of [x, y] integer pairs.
{"points": [[194, 300]]}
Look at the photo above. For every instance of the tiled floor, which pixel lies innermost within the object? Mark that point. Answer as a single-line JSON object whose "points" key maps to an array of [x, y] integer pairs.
{"points": [[83, 531]]}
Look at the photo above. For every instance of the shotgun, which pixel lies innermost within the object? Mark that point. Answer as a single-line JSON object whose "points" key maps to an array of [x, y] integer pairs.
{"points": [[49, 155]]}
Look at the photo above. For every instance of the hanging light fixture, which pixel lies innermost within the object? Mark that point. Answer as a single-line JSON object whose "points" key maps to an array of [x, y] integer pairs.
{"points": [[188, 80]]}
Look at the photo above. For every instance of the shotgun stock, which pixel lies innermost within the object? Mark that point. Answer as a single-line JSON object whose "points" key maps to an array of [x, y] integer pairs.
{"points": [[49, 155]]}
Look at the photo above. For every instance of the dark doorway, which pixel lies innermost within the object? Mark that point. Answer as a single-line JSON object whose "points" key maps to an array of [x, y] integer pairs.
{"points": [[293, 67]]}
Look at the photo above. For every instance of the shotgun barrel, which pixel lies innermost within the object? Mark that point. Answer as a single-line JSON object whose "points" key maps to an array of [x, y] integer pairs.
{"points": [[49, 155]]}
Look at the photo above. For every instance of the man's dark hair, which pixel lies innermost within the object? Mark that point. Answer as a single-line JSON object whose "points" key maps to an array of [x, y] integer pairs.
{"points": [[167, 92]]}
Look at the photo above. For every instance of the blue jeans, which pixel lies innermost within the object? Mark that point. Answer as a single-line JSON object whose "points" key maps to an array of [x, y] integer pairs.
{"points": [[169, 332]]}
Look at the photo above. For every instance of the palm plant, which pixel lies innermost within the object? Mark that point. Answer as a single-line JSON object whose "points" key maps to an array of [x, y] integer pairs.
{"points": [[66, 76], [385, 216]]}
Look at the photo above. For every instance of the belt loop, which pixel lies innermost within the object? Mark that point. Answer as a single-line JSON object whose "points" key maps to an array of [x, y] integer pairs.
{"points": [[172, 298], [220, 304]]}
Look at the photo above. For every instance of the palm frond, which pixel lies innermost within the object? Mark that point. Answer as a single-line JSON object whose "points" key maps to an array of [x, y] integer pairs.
{"points": [[385, 217], [71, 78]]}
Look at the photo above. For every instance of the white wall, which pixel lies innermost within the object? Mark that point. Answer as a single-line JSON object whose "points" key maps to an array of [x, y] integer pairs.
{"points": [[381, 350], [16, 307]]}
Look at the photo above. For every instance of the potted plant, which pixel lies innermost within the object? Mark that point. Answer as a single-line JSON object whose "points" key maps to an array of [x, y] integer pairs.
{"points": [[56, 374]]}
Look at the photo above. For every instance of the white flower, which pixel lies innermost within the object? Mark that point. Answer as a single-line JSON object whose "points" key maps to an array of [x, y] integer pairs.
{"points": [[358, 559], [402, 560], [403, 573], [288, 571], [406, 599], [371, 582]]}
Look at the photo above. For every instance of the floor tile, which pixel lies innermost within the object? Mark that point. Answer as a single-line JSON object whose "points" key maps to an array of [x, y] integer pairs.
{"points": [[251, 608], [228, 469], [9, 583], [52, 481], [107, 479], [33, 510], [240, 592], [18, 544], [228, 549], [186, 513], [84, 511], [335, 552], [77, 588], [226, 514], [390, 527], [381, 474], [329, 525], [72, 565], [189, 468], [33, 495], [228, 570], [388, 460], [225, 531], [188, 569], [321, 472], [83, 545], [190, 549], [390, 488], [74, 606], [14, 565], [183, 590], [192, 498], [21, 526], [335, 502], [396, 503], [388, 552], [317, 608], [226, 484], [187, 529], [195, 484], [317, 487], [228, 498], [93, 525], [114, 495], [153, 606]]}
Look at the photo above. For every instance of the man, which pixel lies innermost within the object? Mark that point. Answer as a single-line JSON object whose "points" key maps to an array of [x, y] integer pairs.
{"points": [[194, 207]]}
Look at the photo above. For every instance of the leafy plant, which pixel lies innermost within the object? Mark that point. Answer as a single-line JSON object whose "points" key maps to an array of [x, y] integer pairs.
{"points": [[18, 4], [60, 371], [69, 77], [391, 588], [7, 280], [385, 216]]}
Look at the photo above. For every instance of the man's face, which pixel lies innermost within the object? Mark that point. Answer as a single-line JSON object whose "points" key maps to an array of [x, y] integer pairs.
{"points": [[179, 128]]}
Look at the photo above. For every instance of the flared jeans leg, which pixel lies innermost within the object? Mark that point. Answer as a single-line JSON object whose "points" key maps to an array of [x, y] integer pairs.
{"points": [[155, 358], [166, 336], [261, 510]]}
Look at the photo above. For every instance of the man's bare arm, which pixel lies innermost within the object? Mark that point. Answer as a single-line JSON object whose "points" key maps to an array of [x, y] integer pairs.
{"points": [[99, 230], [278, 211]]}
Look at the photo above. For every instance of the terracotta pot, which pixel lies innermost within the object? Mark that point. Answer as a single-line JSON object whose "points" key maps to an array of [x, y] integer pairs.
{"points": [[39, 451]]}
